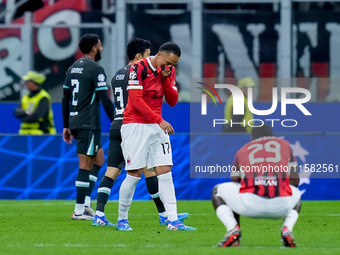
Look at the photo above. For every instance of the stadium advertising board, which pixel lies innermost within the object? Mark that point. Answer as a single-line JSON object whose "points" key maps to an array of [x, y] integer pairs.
{"points": [[45, 167]]}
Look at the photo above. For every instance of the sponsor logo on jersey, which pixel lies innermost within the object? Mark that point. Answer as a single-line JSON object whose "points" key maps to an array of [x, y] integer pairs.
{"points": [[77, 70], [103, 83], [265, 181], [133, 82], [101, 77], [133, 75], [120, 77]]}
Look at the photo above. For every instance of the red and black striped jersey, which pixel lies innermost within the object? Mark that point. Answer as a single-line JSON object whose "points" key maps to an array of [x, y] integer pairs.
{"points": [[146, 89], [264, 164]]}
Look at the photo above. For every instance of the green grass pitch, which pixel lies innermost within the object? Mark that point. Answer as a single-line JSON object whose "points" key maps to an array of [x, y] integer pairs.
{"points": [[45, 227]]}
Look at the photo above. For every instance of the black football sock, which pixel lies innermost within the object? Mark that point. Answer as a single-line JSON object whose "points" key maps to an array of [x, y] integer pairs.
{"points": [[104, 192], [152, 186], [93, 178], [82, 185]]}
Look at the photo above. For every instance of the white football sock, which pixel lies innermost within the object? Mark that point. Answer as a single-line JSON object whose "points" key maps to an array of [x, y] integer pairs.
{"points": [[100, 214], [126, 192], [167, 195], [163, 214], [79, 209], [88, 201], [290, 220], [226, 215]]}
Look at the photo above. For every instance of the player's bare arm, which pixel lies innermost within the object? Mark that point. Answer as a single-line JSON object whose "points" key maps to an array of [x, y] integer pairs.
{"points": [[294, 178], [235, 176]]}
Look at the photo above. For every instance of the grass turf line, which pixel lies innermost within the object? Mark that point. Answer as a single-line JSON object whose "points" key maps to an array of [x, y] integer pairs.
{"points": [[45, 227]]}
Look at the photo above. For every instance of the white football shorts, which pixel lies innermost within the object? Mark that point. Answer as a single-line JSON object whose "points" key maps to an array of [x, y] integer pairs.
{"points": [[145, 145], [254, 206]]}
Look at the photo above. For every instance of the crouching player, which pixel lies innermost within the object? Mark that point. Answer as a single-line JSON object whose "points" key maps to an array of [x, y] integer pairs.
{"points": [[264, 185]]}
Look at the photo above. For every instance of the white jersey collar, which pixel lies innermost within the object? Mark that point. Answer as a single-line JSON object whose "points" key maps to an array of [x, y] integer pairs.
{"points": [[149, 62]]}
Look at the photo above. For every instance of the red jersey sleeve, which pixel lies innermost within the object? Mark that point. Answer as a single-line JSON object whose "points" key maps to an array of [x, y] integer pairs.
{"points": [[135, 89], [170, 90]]}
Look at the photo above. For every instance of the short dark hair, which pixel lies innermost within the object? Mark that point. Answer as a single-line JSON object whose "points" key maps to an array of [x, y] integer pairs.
{"points": [[261, 131], [136, 46], [87, 41], [170, 47]]}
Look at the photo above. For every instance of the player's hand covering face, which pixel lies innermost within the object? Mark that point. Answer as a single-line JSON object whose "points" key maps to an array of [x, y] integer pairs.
{"points": [[165, 71]]}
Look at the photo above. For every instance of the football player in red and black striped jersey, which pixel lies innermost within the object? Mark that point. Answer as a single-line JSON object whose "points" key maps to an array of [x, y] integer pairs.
{"points": [[264, 185], [145, 134]]}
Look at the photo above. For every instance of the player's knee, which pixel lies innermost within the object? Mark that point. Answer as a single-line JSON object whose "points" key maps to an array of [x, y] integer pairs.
{"points": [[162, 169], [100, 163], [149, 172], [214, 191], [216, 200], [86, 165], [298, 206], [112, 172], [135, 173], [99, 160]]}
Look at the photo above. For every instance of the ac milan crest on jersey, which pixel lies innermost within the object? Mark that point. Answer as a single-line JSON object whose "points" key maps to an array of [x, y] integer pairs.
{"points": [[128, 160]]}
